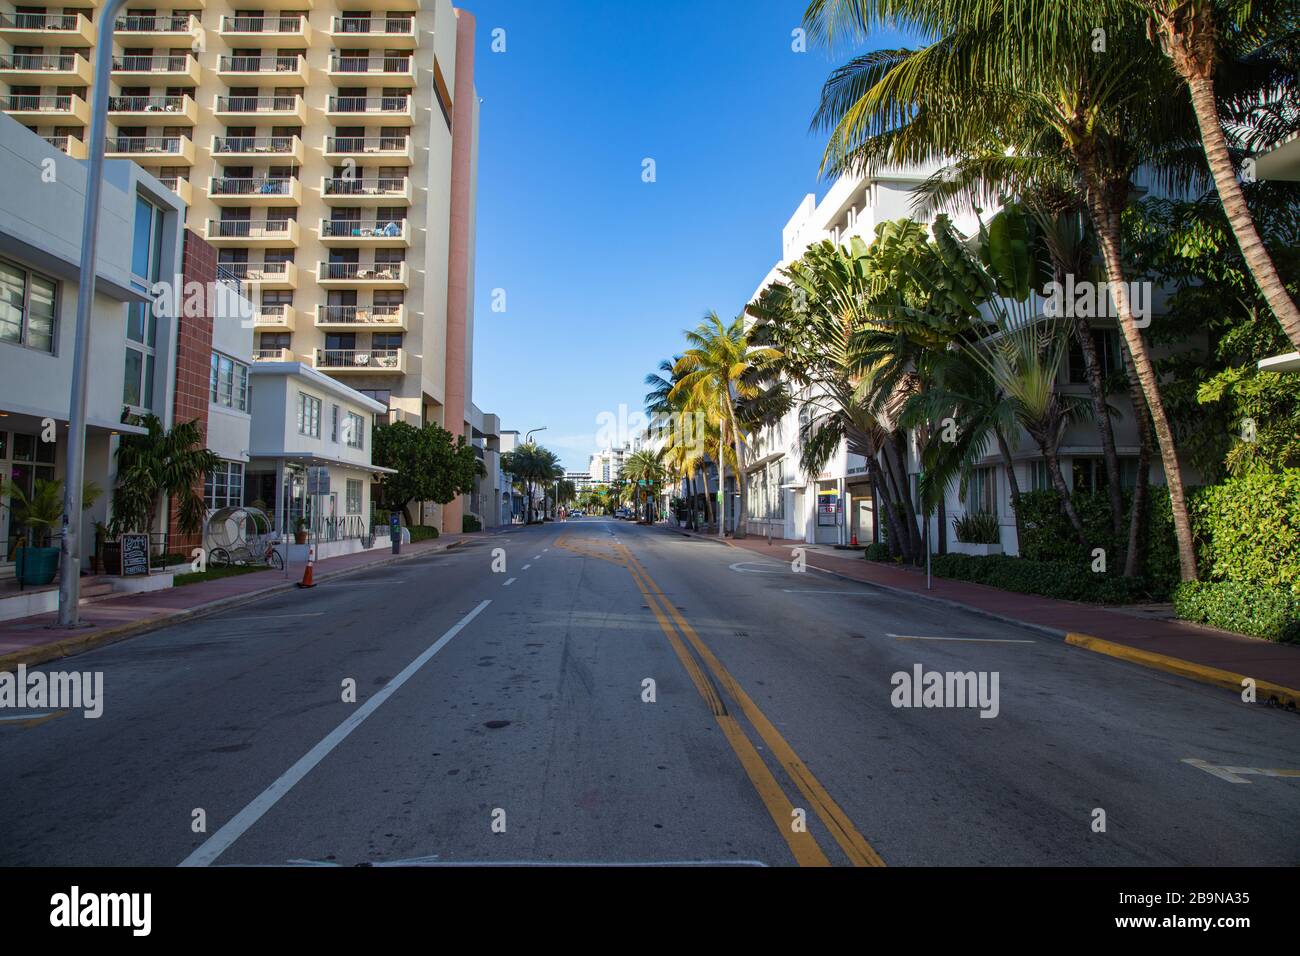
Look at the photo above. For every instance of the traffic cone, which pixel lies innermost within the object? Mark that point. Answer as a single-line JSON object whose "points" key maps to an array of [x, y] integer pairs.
{"points": [[306, 581], [853, 542]]}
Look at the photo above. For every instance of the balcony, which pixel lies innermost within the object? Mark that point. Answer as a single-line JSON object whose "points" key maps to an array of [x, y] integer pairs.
{"points": [[371, 70], [385, 6], [40, 110], [391, 150], [165, 150], [361, 275], [369, 110], [174, 69], [153, 110], [344, 191], [273, 355], [372, 233], [227, 148], [353, 318], [275, 318], [45, 69], [396, 32], [181, 187], [264, 70], [164, 28], [281, 110], [271, 30], [265, 275], [362, 361], [71, 145], [255, 191], [35, 29], [252, 233]]}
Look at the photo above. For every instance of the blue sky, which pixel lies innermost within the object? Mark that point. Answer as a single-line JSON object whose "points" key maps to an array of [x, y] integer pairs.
{"points": [[602, 271]]}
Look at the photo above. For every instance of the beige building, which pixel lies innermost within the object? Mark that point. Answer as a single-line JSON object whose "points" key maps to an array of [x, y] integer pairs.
{"points": [[326, 148]]}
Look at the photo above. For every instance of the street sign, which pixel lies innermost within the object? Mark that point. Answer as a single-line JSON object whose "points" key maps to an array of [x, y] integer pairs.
{"points": [[318, 480]]}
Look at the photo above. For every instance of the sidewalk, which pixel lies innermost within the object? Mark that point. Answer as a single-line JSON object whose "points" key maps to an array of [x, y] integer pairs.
{"points": [[33, 640], [1202, 653]]}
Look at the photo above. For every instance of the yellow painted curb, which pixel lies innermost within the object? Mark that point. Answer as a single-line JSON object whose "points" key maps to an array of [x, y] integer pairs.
{"points": [[1229, 680]]}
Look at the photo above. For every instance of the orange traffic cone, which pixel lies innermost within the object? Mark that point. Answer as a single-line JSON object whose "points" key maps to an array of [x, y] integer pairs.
{"points": [[306, 581], [854, 541]]}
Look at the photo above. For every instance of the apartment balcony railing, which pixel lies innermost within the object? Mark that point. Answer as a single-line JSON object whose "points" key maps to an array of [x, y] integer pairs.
{"points": [[370, 361], [345, 191], [387, 233], [354, 110], [163, 27], [390, 32], [154, 110], [254, 191], [65, 29], [258, 147], [45, 69], [252, 232], [391, 148], [62, 110], [385, 275], [279, 317], [381, 8], [270, 28], [269, 275], [181, 187], [371, 70], [174, 68], [176, 150], [71, 145], [272, 355], [378, 318], [272, 69], [284, 110]]}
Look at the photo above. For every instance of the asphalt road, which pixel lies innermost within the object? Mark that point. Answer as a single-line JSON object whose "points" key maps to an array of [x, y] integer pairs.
{"points": [[619, 694]]}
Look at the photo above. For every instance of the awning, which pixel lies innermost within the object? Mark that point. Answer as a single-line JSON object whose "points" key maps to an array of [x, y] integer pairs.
{"points": [[307, 458]]}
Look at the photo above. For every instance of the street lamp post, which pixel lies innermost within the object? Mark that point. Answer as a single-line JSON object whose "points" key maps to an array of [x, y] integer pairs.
{"points": [[70, 558]]}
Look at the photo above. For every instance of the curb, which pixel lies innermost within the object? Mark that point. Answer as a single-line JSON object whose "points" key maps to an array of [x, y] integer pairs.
{"points": [[1285, 697], [69, 647]]}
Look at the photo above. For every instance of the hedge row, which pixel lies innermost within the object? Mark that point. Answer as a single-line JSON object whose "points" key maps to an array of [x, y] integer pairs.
{"points": [[423, 532], [1270, 613], [1052, 579]]}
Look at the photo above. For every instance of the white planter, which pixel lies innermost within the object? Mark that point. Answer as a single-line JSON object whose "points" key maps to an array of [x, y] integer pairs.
{"points": [[978, 550]]}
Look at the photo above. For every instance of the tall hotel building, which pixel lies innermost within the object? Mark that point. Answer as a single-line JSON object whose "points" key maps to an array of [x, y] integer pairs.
{"points": [[326, 148]]}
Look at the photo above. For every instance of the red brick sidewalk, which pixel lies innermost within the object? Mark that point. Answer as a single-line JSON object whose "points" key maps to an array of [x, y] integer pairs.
{"points": [[32, 640], [1200, 647]]}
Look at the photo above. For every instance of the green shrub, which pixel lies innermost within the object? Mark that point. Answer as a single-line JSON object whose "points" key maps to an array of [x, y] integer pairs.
{"points": [[1248, 530], [1270, 613], [423, 532], [977, 529], [876, 552], [470, 524], [1054, 579]]}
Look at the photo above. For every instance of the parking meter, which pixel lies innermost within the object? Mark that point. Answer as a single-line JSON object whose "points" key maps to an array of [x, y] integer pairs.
{"points": [[395, 532]]}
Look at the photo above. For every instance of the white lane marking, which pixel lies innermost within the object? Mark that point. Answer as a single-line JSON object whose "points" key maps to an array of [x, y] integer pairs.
{"points": [[509, 582], [220, 841], [1237, 774], [544, 550], [537, 557], [959, 640], [743, 567], [269, 617], [527, 566], [826, 591]]}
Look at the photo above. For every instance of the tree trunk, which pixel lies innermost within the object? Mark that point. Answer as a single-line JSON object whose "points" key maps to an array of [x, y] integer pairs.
{"points": [[741, 528], [1191, 46], [880, 481], [1134, 556], [897, 465], [1062, 491], [1013, 484], [1097, 389], [406, 513], [1106, 223]]}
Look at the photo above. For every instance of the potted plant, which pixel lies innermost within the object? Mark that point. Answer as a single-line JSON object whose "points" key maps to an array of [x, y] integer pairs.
{"points": [[40, 513], [300, 531]]}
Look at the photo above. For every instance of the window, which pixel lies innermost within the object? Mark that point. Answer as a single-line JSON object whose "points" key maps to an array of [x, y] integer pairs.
{"points": [[27, 308], [224, 487], [982, 492], [354, 496], [1039, 479], [228, 382], [141, 322], [308, 415], [334, 424], [354, 431], [1105, 343]]}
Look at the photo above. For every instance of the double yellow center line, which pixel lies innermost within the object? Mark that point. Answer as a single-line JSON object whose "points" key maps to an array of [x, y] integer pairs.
{"points": [[803, 844]]}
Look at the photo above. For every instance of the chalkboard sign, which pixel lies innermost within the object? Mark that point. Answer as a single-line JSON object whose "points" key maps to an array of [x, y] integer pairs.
{"points": [[135, 554]]}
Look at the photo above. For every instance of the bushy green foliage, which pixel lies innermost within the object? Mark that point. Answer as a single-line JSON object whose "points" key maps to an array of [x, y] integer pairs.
{"points": [[877, 552], [1048, 535], [431, 464], [1249, 530], [469, 524], [977, 529], [1270, 613], [1068, 582], [423, 532]]}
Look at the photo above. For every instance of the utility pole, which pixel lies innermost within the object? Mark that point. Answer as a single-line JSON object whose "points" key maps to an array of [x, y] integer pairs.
{"points": [[70, 556]]}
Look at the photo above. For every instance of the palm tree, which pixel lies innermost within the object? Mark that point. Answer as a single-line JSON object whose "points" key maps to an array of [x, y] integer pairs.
{"points": [[534, 466], [161, 463], [644, 470], [1195, 34], [1021, 77], [713, 374]]}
